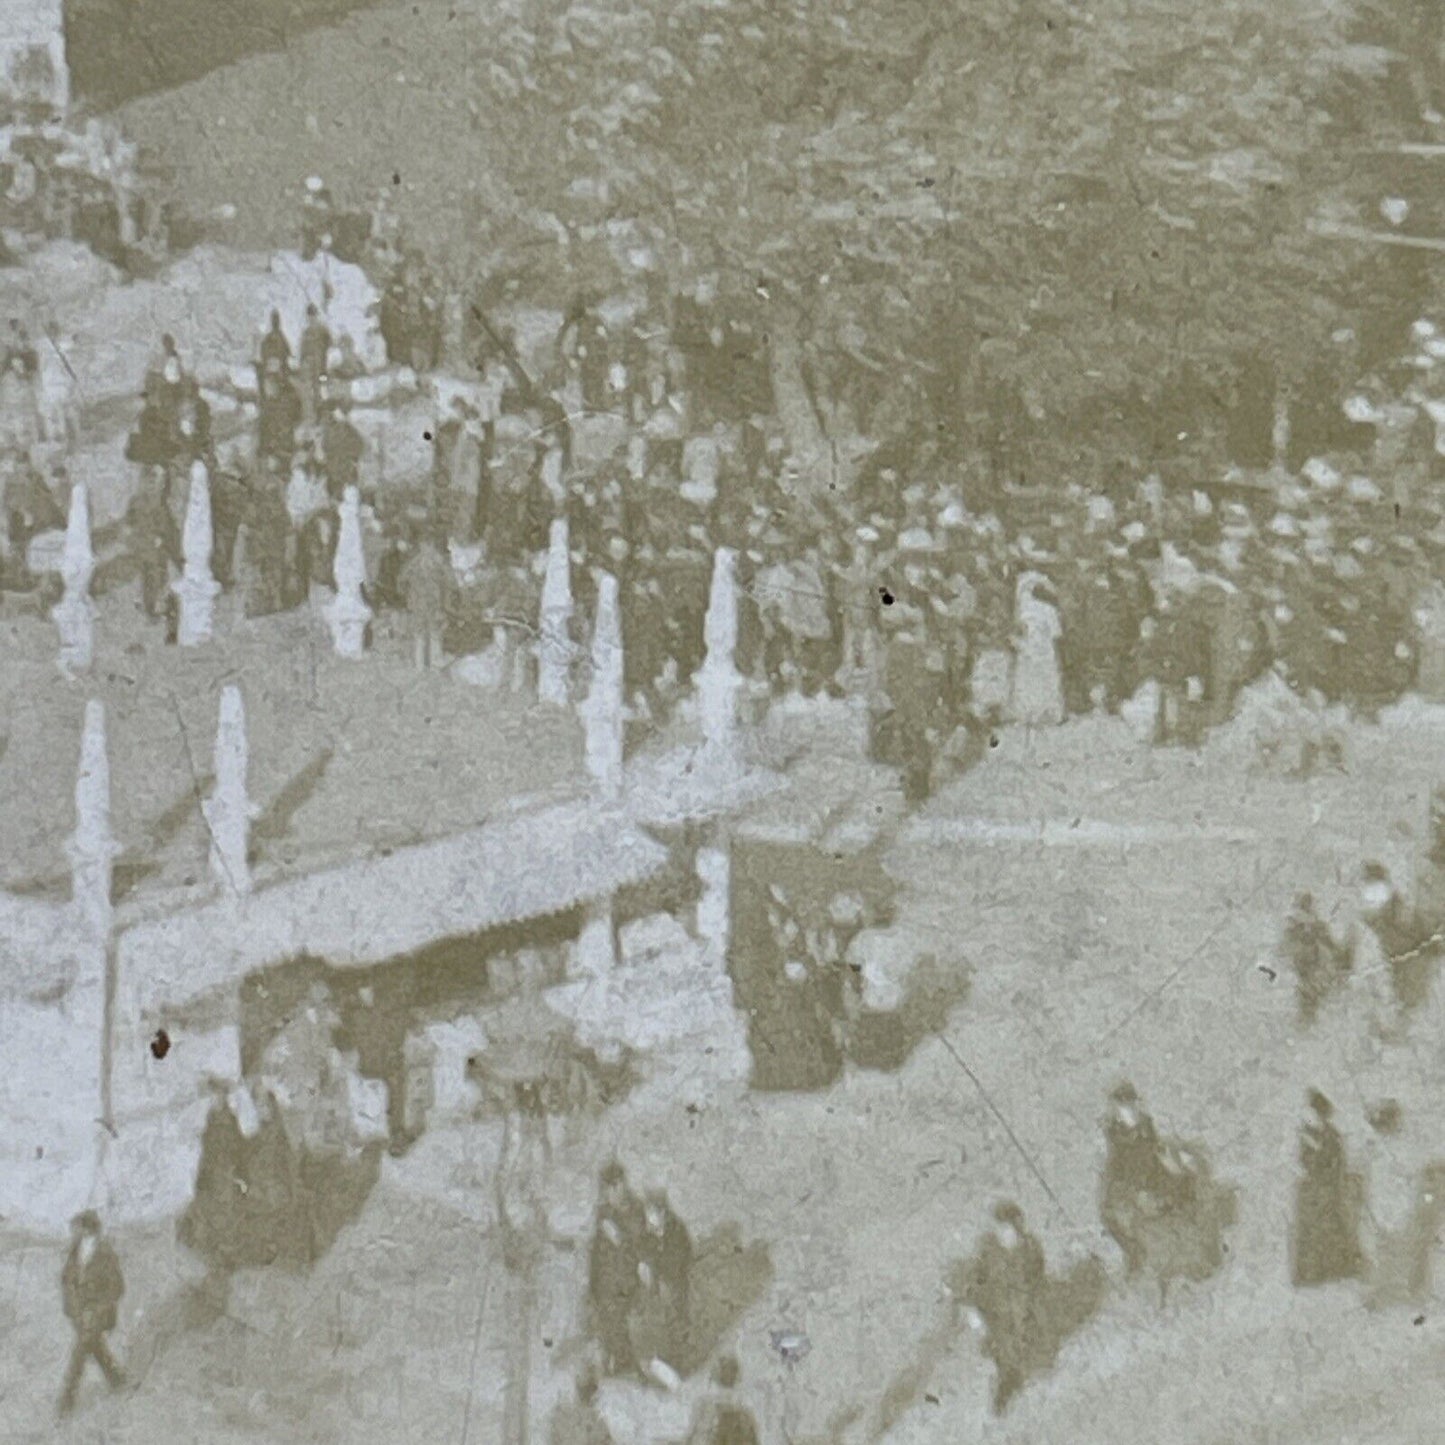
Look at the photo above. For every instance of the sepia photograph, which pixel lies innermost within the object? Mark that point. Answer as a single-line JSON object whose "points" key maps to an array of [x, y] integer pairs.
{"points": [[722, 722]]}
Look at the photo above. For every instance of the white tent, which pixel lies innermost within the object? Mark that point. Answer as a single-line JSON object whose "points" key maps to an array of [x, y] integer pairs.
{"points": [[527, 866]]}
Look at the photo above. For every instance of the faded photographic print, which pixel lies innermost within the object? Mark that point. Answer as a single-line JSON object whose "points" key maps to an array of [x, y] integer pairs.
{"points": [[722, 722]]}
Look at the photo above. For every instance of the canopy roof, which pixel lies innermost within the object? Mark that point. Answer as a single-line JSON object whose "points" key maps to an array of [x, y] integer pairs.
{"points": [[527, 866]]}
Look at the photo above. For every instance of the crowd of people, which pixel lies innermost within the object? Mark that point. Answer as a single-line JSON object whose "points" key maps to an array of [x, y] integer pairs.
{"points": [[951, 604], [951, 598]]}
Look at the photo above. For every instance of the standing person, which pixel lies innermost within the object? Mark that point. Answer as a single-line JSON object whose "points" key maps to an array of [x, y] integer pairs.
{"points": [[1328, 1203], [1321, 964], [342, 448], [155, 542], [613, 1285], [722, 1420], [278, 416], [584, 344], [311, 363], [18, 346], [228, 491], [579, 1422], [1038, 696], [91, 1287], [660, 1321], [275, 353], [1008, 1280], [19, 408], [1407, 945], [425, 584], [268, 533]]}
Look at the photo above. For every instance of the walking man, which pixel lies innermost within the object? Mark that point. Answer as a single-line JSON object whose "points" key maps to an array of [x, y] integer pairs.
{"points": [[91, 1287]]}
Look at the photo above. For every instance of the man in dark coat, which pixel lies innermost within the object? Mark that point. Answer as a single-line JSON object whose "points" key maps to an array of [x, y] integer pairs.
{"points": [[584, 339], [660, 1319], [1328, 1203], [154, 542], [613, 1283], [275, 353], [278, 416], [342, 448], [426, 585], [194, 439], [91, 1287], [311, 362], [1406, 941], [1321, 964], [1009, 1283]]}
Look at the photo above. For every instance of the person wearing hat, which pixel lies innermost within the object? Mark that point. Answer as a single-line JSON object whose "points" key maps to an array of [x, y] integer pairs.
{"points": [[613, 1282], [1136, 1180], [274, 355], [1011, 1278], [91, 1286], [1329, 1200]]}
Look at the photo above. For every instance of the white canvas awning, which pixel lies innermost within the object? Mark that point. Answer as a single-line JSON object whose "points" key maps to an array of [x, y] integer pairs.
{"points": [[527, 866]]}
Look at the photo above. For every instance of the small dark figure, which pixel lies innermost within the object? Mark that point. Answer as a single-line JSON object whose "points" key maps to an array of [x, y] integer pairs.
{"points": [[659, 1325], [1329, 1200], [154, 542], [311, 363], [342, 448], [1160, 1202], [722, 1420], [426, 583], [1011, 1278], [278, 416], [1132, 1169], [193, 441], [613, 1285], [1023, 1314], [1321, 964], [579, 1422], [275, 354], [91, 1288], [1410, 947], [584, 342]]}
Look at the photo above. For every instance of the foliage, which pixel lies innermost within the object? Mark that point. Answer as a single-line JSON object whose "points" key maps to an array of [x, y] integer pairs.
{"points": [[1107, 194]]}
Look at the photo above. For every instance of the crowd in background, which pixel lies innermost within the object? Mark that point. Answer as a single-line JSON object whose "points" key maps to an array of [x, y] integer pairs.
{"points": [[917, 585]]}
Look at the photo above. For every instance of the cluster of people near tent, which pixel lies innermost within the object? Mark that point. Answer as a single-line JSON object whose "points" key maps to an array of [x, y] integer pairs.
{"points": [[289, 1154], [1171, 1219], [656, 1308]]}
